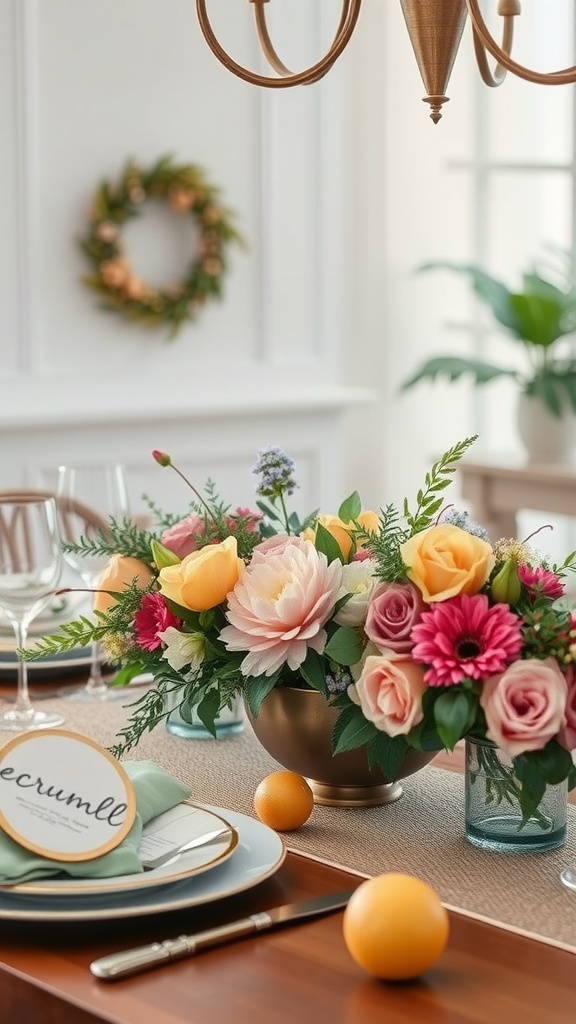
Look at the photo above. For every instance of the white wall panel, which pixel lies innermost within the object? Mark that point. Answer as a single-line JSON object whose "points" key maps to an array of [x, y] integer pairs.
{"points": [[85, 86]]}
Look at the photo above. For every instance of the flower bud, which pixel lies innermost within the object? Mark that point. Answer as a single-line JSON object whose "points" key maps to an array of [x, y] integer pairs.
{"points": [[161, 458], [506, 587], [162, 556]]}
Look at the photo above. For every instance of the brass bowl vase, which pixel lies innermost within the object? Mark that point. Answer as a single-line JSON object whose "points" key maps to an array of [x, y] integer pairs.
{"points": [[295, 727]]}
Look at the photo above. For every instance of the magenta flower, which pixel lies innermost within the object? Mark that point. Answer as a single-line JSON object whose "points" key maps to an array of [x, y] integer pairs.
{"points": [[152, 618], [466, 638], [540, 582]]}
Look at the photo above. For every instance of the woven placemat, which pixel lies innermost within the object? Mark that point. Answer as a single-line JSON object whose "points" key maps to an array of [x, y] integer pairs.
{"points": [[422, 833]]}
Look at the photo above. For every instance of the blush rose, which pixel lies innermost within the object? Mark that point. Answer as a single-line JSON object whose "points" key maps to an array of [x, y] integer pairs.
{"points": [[525, 706], [393, 611], [389, 691]]}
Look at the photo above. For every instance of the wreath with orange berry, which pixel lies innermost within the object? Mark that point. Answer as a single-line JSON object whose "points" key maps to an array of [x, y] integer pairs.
{"points": [[187, 190]]}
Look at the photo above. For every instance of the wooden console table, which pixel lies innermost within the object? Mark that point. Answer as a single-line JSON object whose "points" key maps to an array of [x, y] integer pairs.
{"points": [[497, 492]]}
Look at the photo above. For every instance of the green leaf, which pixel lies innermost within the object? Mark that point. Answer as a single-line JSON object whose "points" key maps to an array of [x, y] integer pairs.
{"points": [[207, 710], [553, 762], [324, 542], [388, 752], [345, 646], [257, 688], [354, 731], [350, 508], [533, 786], [454, 714], [313, 671], [455, 367]]}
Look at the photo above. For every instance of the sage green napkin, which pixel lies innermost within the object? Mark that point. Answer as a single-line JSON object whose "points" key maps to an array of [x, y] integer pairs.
{"points": [[156, 791]]}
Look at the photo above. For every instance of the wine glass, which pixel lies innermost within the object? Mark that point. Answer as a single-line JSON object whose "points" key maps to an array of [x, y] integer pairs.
{"points": [[30, 568], [103, 489]]}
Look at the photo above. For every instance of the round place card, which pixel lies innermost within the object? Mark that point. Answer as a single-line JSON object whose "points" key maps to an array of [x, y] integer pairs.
{"points": [[64, 796]]}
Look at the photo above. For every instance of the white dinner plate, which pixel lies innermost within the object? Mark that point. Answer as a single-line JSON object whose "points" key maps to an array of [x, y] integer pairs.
{"points": [[45, 668], [259, 854], [183, 822]]}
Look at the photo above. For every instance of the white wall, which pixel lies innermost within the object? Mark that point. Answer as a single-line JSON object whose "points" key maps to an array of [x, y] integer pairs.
{"points": [[84, 86], [342, 189]]}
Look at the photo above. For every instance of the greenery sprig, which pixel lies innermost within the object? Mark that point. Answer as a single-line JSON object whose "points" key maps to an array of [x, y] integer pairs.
{"points": [[396, 528]]}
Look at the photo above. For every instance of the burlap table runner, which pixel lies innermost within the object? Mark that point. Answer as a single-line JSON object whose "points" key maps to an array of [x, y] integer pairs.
{"points": [[422, 833]]}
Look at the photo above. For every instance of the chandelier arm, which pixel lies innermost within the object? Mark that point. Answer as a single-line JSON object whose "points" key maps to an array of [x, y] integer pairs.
{"points": [[268, 47], [567, 76], [349, 17], [493, 79]]}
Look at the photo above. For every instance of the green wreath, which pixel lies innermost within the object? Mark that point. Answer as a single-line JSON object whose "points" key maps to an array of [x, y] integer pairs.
{"points": [[187, 191]]}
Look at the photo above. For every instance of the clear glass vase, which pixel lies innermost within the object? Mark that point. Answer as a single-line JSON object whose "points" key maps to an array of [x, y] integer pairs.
{"points": [[492, 809], [229, 722]]}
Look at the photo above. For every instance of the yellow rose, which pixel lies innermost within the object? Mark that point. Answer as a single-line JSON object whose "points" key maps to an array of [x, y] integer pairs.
{"points": [[118, 575], [202, 579], [343, 532], [445, 561]]}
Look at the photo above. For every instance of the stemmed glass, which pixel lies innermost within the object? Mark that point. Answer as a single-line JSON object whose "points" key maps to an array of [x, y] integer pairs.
{"points": [[103, 489], [30, 568]]}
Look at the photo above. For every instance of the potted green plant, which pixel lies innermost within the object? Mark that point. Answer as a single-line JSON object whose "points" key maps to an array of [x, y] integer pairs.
{"points": [[541, 315]]}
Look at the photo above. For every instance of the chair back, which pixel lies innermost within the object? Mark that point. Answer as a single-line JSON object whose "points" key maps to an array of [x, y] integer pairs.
{"points": [[15, 533]]}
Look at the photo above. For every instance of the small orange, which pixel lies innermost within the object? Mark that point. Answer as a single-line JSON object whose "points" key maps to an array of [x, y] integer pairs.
{"points": [[395, 926], [283, 801]]}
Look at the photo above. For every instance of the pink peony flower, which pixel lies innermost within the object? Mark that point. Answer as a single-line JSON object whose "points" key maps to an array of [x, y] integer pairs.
{"points": [[389, 691], [279, 606], [182, 538], [567, 735], [540, 582], [466, 638], [394, 610], [525, 706], [152, 618]]}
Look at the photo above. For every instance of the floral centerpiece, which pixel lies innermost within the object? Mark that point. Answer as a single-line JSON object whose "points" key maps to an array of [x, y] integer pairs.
{"points": [[416, 628]]}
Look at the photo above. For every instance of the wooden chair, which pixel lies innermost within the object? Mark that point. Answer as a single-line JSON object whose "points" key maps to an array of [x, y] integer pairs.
{"points": [[14, 535]]}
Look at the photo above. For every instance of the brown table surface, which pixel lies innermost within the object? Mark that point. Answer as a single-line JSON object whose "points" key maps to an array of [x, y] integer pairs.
{"points": [[303, 973]]}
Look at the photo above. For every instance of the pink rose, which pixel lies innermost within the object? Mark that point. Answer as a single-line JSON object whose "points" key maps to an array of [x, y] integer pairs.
{"points": [[525, 706], [389, 692], [182, 538], [567, 735], [394, 610]]}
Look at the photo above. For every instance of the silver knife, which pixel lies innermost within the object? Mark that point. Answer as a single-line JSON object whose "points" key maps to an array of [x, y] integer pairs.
{"points": [[131, 961]]}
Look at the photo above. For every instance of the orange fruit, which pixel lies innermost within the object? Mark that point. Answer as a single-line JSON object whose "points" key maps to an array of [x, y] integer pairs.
{"points": [[395, 926], [283, 801]]}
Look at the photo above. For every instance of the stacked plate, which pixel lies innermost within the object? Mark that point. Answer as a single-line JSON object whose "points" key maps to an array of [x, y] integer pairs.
{"points": [[233, 862]]}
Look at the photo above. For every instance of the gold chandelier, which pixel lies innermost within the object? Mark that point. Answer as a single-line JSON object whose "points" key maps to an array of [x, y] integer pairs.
{"points": [[435, 28]]}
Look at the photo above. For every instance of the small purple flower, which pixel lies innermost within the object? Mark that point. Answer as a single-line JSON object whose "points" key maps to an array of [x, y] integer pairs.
{"points": [[276, 472], [455, 517], [338, 680]]}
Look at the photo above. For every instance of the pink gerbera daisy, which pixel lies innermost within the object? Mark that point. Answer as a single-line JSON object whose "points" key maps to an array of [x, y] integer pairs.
{"points": [[540, 582], [466, 638], [152, 617]]}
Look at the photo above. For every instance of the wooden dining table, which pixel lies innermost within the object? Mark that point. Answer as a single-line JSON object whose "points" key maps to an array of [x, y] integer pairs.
{"points": [[304, 973]]}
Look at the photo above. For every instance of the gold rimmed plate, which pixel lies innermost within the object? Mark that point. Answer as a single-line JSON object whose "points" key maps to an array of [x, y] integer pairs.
{"points": [[258, 856], [180, 824]]}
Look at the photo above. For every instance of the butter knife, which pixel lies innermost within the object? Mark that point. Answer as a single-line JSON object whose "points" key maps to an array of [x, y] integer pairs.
{"points": [[131, 961]]}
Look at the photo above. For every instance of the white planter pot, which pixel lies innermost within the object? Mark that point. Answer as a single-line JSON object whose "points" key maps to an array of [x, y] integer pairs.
{"points": [[545, 437]]}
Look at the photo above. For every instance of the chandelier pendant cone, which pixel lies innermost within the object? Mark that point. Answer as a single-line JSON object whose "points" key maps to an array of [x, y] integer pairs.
{"points": [[435, 32]]}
